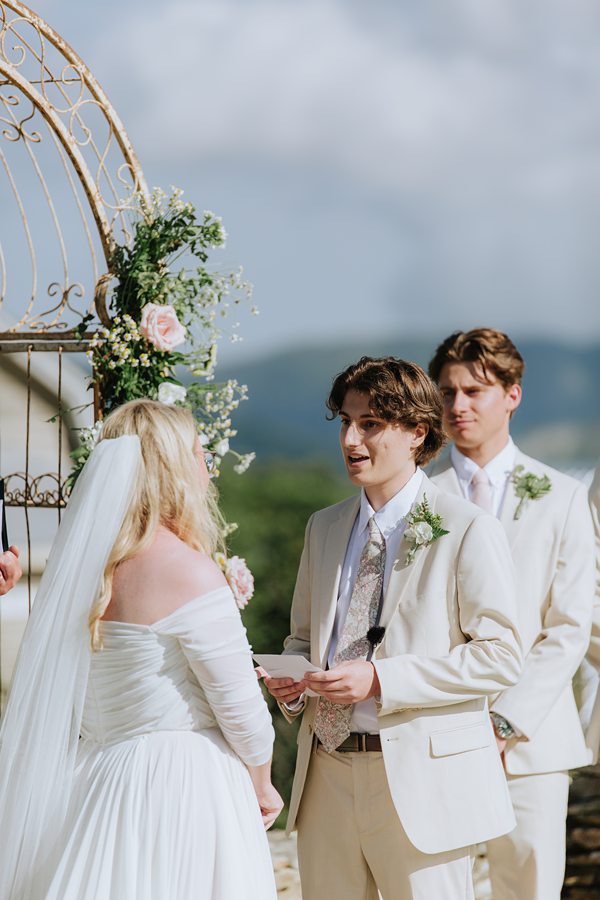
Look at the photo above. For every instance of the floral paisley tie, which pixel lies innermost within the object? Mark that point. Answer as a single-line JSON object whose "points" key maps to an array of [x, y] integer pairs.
{"points": [[332, 720]]}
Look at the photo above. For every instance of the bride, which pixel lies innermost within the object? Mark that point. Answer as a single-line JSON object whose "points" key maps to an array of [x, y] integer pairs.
{"points": [[136, 746]]}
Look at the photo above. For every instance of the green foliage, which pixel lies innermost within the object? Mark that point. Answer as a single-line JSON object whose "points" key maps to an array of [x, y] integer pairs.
{"points": [[144, 268], [529, 487], [272, 506], [165, 264], [164, 295]]}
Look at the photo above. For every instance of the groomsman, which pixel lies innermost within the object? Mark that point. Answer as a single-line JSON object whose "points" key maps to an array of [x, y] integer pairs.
{"points": [[546, 517], [398, 772]]}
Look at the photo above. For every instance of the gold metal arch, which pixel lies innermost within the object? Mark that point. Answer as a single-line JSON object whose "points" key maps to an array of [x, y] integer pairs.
{"points": [[50, 101], [68, 179]]}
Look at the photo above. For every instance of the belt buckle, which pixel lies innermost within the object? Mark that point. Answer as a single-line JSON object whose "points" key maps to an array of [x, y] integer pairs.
{"points": [[362, 742]]}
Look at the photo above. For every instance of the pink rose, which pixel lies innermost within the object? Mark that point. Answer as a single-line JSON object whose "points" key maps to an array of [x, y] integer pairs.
{"points": [[240, 580], [161, 326]]}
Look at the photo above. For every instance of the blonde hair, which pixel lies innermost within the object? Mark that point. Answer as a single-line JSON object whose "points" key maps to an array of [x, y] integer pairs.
{"points": [[167, 491]]}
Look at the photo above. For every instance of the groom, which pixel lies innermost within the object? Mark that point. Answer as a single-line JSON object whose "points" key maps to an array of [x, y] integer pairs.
{"points": [[405, 597], [547, 521]]}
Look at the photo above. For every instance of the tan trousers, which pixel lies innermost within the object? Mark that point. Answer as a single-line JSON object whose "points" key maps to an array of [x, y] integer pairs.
{"points": [[351, 843], [529, 863]]}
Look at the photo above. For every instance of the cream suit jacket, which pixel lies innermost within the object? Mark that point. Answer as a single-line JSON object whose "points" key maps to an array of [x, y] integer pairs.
{"points": [[552, 549], [593, 683], [450, 641]]}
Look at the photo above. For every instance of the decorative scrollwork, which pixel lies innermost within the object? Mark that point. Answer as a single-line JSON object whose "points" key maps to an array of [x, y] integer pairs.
{"points": [[52, 106], [43, 491]]}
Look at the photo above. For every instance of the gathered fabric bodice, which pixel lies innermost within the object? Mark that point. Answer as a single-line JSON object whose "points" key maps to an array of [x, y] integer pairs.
{"points": [[140, 682], [189, 671]]}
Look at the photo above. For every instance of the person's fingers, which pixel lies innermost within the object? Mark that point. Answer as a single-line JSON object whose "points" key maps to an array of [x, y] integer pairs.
{"points": [[14, 550], [278, 682], [318, 678]]}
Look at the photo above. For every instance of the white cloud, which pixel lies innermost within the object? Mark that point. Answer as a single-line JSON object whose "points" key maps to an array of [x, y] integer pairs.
{"points": [[398, 107], [441, 159]]}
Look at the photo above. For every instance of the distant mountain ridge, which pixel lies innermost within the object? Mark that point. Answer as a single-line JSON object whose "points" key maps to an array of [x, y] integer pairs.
{"points": [[285, 416]]}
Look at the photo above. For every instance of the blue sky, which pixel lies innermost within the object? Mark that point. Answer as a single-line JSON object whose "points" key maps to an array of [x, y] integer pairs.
{"points": [[381, 168]]}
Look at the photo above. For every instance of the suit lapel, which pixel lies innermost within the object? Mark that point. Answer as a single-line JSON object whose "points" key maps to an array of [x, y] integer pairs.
{"points": [[334, 553], [402, 573]]}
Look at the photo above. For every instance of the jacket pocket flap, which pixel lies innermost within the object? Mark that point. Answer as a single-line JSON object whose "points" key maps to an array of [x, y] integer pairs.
{"points": [[459, 740]]}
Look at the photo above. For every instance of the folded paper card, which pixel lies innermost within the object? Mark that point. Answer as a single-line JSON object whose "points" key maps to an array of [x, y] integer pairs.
{"points": [[284, 665]]}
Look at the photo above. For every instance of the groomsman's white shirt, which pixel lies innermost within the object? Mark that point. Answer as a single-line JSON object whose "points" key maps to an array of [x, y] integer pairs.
{"points": [[498, 470], [391, 521]]}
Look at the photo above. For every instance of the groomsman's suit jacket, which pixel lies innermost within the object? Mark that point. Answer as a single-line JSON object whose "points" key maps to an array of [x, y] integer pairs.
{"points": [[552, 549], [450, 639], [593, 733]]}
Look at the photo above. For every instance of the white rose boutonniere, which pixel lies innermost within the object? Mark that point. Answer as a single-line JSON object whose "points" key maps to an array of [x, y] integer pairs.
{"points": [[529, 487], [423, 528]]}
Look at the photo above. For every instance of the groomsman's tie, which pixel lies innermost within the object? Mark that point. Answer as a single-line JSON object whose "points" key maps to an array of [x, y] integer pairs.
{"points": [[481, 490], [332, 720]]}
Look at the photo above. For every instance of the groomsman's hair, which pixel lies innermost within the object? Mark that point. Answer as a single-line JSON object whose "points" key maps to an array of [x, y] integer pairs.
{"points": [[399, 392], [493, 351]]}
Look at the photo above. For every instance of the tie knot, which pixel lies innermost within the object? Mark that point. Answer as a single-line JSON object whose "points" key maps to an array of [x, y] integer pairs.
{"points": [[375, 534], [480, 477], [481, 490]]}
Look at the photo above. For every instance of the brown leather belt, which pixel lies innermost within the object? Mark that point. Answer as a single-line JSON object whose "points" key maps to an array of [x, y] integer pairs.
{"points": [[357, 742]]}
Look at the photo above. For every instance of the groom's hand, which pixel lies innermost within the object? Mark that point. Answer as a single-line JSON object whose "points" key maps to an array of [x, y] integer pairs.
{"points": [[285, 690], [348, 682]]}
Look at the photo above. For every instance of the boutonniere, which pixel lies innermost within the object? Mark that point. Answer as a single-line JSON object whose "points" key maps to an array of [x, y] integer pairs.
{"points": [[423, 528], [529, 487]]}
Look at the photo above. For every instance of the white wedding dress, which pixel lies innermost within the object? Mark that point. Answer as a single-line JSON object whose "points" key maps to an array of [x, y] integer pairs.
{"points": [[162, 806]]}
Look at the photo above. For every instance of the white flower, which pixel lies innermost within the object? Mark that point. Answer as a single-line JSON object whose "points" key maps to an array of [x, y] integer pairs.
{"points": [[170, 393], [222, 448], [244, 463], [90, 436], [419, 533]]}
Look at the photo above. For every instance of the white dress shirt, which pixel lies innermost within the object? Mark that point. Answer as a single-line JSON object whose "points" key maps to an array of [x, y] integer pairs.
{"points": [[391, 521], [498, 470]]}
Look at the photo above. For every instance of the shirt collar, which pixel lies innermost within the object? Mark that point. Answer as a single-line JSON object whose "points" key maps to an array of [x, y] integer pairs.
{"points": [[390, 516], [498, 469]]}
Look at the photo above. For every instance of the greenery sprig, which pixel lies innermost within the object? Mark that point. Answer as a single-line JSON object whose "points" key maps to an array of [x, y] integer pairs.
{"points": [[423, 528], [528, 487]]}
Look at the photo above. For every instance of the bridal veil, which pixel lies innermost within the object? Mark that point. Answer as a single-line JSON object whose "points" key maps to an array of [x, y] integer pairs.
{"points": [[40, 729]]}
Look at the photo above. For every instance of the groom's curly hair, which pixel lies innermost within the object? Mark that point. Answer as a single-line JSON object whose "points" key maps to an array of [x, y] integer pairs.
{"points": [[400, 392]]}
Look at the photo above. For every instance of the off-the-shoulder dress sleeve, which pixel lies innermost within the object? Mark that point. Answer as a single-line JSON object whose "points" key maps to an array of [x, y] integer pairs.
{"points": [[213, 639]]}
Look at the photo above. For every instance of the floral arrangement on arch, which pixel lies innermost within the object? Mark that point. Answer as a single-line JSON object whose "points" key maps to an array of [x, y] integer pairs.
{"points": [[167, 317]]}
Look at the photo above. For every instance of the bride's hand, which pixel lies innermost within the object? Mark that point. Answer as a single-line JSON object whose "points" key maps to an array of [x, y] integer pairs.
{"points": [[270, 803], [268, 798]]}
